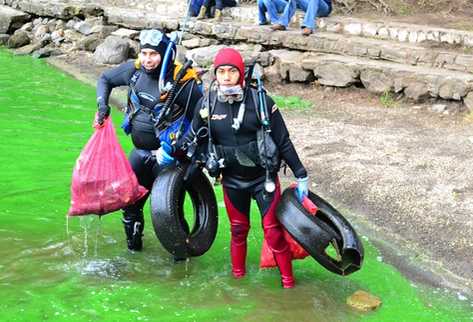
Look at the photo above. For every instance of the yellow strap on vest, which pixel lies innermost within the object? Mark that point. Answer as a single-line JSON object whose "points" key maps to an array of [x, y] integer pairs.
{"points": [[191, 73]]}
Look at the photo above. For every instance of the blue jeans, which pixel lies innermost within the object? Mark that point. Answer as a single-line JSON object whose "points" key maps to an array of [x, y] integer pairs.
{"points": [[195, 7], [220, 4], [312, 9], [272, 7]]}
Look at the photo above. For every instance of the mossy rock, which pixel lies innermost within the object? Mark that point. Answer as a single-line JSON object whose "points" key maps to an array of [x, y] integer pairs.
{"points": [[363, 301]]}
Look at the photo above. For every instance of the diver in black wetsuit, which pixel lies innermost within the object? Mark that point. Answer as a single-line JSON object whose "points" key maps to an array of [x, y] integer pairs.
{"points": [[145, 100], [231, 116]]}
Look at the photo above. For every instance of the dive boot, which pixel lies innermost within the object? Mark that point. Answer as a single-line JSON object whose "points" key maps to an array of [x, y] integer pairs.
{"points": [[283, 260], [202, 13], [238, 255], [218, 15], [134, 234]]}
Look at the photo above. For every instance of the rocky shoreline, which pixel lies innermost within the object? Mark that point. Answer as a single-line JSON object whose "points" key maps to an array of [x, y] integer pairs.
{"points": [[402, 174], [419, 63]]}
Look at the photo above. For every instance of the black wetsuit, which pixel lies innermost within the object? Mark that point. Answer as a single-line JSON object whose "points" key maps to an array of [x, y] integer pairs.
{"points": [[241, 183], [143, 135], [237, 176]]}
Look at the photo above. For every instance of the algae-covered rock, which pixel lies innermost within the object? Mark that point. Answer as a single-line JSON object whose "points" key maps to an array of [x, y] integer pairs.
{"points": [[363, 301]]}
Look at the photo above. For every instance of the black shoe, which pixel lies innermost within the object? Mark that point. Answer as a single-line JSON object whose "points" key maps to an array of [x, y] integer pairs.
{"points": [[178, 259], [278, 27], [307, 31], [134, 234]]}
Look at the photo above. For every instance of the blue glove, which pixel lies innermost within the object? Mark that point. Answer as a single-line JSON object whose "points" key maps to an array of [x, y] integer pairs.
{"points": [[302, 189], [163, 156], [167, 147]]}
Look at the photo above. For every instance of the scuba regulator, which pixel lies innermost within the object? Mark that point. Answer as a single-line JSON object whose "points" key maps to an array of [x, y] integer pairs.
{"points": [[213, 164]]}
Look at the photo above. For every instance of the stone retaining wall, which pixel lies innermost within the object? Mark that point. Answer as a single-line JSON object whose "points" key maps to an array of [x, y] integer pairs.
{"points": [[382, 57]]}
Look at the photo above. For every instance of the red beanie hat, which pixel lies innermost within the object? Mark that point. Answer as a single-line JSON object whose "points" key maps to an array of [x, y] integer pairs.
{"points": [[230, 57]]}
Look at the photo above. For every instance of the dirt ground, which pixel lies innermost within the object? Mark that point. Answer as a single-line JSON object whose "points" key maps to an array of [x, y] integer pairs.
{"points": [[401, 174], [442, 13], [461, 21]]}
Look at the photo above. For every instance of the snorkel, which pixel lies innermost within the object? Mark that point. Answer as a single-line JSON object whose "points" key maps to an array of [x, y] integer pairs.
{"points": [[171, 51]]}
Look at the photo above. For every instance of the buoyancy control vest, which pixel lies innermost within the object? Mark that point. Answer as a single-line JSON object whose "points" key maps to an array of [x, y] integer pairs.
{"points": [[259, 152], [141, 121]]}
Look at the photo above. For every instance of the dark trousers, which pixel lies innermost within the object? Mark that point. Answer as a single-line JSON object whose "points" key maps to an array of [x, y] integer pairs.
{"points": [[146, 169], [220, 4]]}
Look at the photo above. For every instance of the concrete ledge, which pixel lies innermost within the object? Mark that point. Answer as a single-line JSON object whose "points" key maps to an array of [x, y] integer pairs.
{"points": [[138, 19], [394, 31], [397, 31], [379, 77], [56, 8]]}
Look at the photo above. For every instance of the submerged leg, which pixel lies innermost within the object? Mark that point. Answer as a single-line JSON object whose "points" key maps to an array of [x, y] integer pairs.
{"points": [[134, 224], [273, 233], [237, 204], [133, 220]]}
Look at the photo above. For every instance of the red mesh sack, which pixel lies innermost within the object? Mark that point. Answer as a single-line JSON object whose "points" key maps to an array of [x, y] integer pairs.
{"points": [[267, 258], [103, 180]]}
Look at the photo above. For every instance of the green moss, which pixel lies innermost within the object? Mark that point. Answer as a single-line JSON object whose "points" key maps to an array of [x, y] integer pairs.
{"points": [[387, 99], [291, 102]]}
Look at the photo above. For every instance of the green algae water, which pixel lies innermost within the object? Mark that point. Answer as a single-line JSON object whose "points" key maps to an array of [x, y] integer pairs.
{"points": [[53, 269]]}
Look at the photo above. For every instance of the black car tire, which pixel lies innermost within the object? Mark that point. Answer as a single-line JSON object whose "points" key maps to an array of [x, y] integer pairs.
{"points": [[167, 212]]}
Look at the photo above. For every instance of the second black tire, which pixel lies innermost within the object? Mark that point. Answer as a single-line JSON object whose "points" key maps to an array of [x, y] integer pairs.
{"points": [[167, 212], [316, 232]]}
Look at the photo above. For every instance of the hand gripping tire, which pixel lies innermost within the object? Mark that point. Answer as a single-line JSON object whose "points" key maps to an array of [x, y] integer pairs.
{"points": [[316, 232], [167, 212]]}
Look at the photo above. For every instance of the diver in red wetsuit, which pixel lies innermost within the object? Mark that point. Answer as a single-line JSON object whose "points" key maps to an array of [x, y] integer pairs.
{"points": [[230, 112]]}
